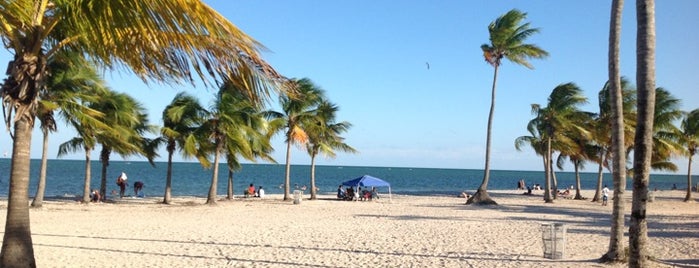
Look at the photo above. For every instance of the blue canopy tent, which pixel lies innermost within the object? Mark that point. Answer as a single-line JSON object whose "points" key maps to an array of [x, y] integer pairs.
{"points": [[368, 181]]}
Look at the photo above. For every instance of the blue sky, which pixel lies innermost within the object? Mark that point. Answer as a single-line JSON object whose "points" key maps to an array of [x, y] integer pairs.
{"points": [[371, 58]]}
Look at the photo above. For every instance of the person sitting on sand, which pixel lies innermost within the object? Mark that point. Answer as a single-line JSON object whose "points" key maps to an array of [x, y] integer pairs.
{"points": [[95, 196], [250, 191], [341, 193], [260, 192], [374, 193], [350, 193]]}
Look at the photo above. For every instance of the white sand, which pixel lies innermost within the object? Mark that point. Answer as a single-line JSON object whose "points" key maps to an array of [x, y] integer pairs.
{"points": [[410, 231]]}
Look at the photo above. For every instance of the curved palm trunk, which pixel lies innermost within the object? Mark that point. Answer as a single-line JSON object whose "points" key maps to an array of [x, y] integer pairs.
{"points": [[211, 199], [287, 170], [229, 194], [554, 181], [313, 177], [615, 251], [86, 187], [17, 247], [578, 195], [600, 176], [688, 197], [104, 158], [547, 169], [41, 187], [167, 199], [645, 80], [481, 196]]}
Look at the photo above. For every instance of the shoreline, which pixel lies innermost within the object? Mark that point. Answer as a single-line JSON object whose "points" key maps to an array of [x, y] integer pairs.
{"points": [[425, 231]]}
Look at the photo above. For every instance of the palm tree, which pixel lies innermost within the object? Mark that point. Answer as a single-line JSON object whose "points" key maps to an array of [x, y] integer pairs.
{"points": [[234, 120], [297, 106], [643, 140], [129, 120], [665, 146], [180, 119], [580, 150], [69, 86], [603, 125], [507, 37], [559, 116], [689, 137], [247, 131], [324, 137], [150, 38], [615, 250]]}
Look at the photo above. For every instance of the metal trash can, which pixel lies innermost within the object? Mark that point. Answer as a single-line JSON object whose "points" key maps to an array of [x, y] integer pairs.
{"points": [[554, 236], [297, 196]]}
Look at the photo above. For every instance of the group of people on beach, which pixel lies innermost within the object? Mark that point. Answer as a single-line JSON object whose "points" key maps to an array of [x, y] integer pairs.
{"points": [[122, 182], [350, 194], [251, 192]]}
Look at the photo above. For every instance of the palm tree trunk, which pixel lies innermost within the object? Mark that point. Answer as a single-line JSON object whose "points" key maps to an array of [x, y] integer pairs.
{"points": [[167, 199], [86, 188], [313, 177], [547, 169], [481, 196], [229, 194], [104, 158], [688, 197], [287, 171], [615, 251], [554, 180], [645, 80], [211, 199], [600, 176], [17, 247], [578, 196], [41, 188]]}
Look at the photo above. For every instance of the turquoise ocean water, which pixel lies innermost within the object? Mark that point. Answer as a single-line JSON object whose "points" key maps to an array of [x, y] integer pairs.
{"points": [[66, 177]]}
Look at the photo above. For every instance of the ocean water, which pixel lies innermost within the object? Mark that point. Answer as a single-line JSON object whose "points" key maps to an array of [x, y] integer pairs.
{"points": [[66, 177]]}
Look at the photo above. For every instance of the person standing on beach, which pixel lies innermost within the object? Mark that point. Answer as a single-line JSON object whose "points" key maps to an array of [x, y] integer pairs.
{"points": [[605, 195], [137, 187], [121, 181]]}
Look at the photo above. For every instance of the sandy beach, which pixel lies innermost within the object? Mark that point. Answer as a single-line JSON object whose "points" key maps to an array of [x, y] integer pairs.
{"points": [[406, 231]]}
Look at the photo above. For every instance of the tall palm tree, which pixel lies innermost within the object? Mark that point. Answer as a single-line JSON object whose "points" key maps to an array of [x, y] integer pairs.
{"points": [[560, 115], [234, 120], [298, 106], [507, 40], [148, 37], [615, 250], [643, 140], [250, 139], [603, 125], [324, 137], [689, 137], [180, 118], [129, 120], [69, 85]]}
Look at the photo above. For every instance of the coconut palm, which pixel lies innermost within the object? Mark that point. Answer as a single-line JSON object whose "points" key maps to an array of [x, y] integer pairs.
{"points": [[561, 115], [248, 135], [507, 40], [643, 140], [578, 152], [129, 120], [234, 121], [150, 38], [298, 106], [324, 137], [689, 137], [69, 85], [617, 142], [666, 113], [603, 125], [180, 118]]}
